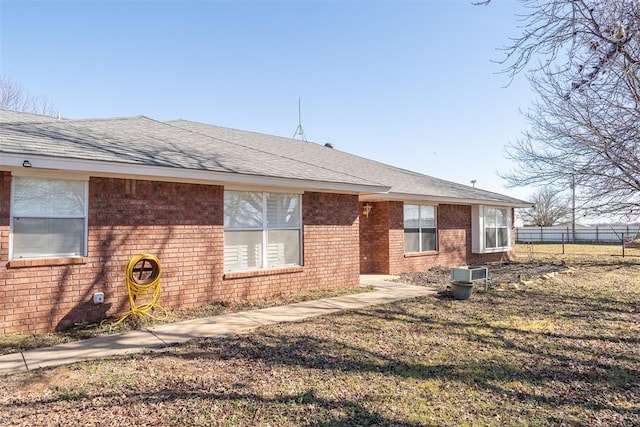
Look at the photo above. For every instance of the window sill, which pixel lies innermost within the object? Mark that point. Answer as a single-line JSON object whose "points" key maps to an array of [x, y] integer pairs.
{"points": [[264, 272], [493, 250], [46, 262], [420, 254]]}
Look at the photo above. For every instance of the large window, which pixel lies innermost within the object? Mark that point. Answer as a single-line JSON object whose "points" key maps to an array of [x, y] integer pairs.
{"points": [[48, 217], [492, 229], [261, 230], [496, 228], [420, 231]]}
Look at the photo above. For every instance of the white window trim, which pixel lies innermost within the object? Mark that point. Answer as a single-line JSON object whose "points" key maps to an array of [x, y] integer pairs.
{"points": [[265, 232], [51, 176], [478, 244], [435, 219]]}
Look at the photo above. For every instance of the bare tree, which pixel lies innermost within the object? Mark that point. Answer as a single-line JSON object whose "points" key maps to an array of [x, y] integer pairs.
{"points": [[551, 207], [13, 97], [583, 59]]}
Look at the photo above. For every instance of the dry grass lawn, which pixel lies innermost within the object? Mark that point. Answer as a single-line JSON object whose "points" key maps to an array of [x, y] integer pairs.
{"points": [[560, 349], [570, 249]]}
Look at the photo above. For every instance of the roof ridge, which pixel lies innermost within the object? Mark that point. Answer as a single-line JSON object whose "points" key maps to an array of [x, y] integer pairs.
{"points": [[245, 131], [42, 117], [275, 154], [397, 168], [110, 119], [454, 186]]}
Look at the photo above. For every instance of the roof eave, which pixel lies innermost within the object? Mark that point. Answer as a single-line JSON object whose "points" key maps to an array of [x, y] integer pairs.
{"points": [[400, 197], [14, 163]]}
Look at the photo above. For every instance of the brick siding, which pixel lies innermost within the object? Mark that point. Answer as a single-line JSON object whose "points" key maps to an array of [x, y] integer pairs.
{"points": [[374, 238], [382, 241], [330, 251], [179, 223], [182, 224]]}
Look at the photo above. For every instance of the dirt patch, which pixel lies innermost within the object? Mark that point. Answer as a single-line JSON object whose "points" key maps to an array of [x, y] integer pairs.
{"points": [[500, 274]]}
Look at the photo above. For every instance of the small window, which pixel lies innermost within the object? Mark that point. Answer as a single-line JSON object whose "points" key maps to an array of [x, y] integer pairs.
{"points": [[261, 230], [491, 229], [420, 230], [48, 218]]}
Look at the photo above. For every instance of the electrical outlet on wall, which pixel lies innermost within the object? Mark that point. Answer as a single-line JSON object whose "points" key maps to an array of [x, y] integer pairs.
{"points": [[98, 298]]}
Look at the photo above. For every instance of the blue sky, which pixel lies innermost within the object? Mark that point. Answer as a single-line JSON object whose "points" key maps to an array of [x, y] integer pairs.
{"points": [[409, 83]]}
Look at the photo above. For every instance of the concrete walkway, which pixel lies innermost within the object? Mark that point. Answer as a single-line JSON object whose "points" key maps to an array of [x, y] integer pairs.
{"points": [[232, 323]]}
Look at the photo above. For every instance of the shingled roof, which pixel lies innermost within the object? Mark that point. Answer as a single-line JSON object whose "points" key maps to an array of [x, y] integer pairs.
{"points": [[157, 148], [184, 149], [404, 184]]}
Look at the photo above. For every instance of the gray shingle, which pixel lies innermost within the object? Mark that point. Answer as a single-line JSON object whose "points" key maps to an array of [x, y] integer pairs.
{"points": [[189, 145], [404, 183], [143, 141]]}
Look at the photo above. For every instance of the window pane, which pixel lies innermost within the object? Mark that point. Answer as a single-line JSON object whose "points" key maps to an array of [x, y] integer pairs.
{"points": [[283, 210], [490, 217], [242, 250], [242, 209], [419, 228], [501, 217], [36, 237], [283, 248], [259, 236], [503, 237], [428, 239], [427, 216], [39, 197], [411, 216], [411, 240], [490, 237]]}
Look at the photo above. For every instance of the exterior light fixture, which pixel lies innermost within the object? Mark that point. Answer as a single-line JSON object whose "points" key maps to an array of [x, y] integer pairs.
{"points": [[26, 164], [366, 210]]}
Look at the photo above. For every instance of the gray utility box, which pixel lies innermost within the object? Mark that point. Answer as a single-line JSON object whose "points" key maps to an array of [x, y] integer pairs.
{"points": [[471, 274]]}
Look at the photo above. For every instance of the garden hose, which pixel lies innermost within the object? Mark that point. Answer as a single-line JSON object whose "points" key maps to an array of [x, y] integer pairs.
{"points": [[147, 268]]}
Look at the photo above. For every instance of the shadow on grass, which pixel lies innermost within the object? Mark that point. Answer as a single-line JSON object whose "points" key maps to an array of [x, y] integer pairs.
{"points": [[301, 408], [579, 367], [581, 359], [320, 354]]}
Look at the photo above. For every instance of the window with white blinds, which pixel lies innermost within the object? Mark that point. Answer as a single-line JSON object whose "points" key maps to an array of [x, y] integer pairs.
{"points": [[48, 217], [420, 229], [261, 230]]}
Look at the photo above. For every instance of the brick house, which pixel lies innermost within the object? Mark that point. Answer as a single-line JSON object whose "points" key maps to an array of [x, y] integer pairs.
{"points": [[232, 215]]}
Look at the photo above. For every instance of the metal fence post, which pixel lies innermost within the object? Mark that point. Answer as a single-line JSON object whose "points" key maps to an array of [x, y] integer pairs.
{"points": [[562, 243], [622, 245]]}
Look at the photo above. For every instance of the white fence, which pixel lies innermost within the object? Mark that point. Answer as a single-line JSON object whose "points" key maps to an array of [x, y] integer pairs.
{"points": [[564, 234]]}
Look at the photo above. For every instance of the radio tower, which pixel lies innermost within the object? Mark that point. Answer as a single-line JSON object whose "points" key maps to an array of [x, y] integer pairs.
{"points": [[299, 130]]}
